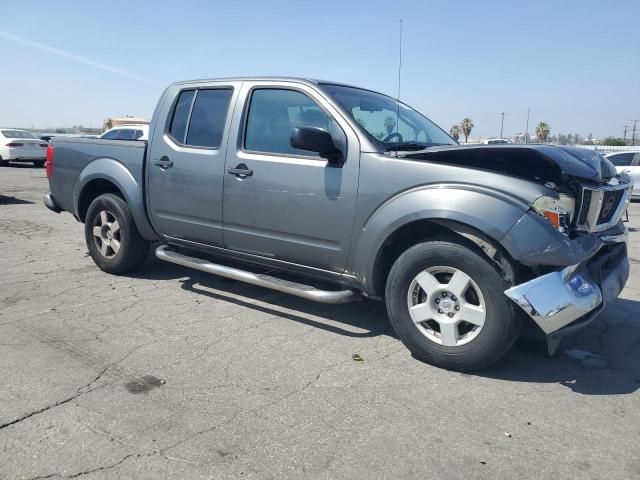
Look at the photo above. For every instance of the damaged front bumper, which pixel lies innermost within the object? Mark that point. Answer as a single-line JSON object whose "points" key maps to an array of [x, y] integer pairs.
{"points": [[563, 301]]}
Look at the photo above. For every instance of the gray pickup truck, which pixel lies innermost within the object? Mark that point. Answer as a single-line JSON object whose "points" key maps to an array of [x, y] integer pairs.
{"points": [[341, 192]]}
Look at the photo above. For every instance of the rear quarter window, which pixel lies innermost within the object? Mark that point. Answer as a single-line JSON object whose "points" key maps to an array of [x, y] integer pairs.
{"points": [[180, 118]]}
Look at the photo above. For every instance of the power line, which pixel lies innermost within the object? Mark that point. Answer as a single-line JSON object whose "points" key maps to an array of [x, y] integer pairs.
{"points": [[633, 132], [625, 133]]}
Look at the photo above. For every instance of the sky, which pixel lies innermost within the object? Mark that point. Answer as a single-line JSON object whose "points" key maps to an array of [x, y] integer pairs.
{"points": [[574, 63]]}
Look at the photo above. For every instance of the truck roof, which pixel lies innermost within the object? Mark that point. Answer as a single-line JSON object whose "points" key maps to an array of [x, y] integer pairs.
{"points": [[311, 81]]}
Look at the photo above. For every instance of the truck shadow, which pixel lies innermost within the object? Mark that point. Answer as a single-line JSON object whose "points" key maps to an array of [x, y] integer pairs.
{"points": [[602, 359], [6, 200]]}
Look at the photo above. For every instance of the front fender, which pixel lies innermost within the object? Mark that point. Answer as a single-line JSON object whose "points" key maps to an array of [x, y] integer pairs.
{"points": [[488, 211], [120, 176]]}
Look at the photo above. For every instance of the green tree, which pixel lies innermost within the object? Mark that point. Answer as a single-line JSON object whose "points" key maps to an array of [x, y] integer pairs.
{"points": [[542, 131], [455, 131], [390, 124], [466, 126], [613, 142]]}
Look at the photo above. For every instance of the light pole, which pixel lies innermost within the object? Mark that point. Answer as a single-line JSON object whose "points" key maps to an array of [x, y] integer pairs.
{"points": [[526, 130], [501, 124]]}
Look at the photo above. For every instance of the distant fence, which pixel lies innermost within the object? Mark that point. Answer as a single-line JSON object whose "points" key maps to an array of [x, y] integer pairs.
{"points": [[609, 149]]}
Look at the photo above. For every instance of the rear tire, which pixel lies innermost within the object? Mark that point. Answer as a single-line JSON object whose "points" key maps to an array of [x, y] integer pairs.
{"points": [[446, 303], [112, 237], [38, 163]]}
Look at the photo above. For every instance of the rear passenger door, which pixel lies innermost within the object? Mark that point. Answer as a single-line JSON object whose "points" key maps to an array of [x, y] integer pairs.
{"points": [[185, 168]]}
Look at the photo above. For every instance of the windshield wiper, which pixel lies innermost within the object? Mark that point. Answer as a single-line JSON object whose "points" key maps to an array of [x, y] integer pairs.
{"points": [[399, 146]]}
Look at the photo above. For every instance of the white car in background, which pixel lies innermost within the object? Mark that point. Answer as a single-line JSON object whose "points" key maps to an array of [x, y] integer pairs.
{"points": [[630, 162], [127, 132], [497, 141], [21, 146]]}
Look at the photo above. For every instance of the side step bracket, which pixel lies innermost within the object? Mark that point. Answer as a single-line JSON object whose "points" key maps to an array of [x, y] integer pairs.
{"points": [[165, 253]]}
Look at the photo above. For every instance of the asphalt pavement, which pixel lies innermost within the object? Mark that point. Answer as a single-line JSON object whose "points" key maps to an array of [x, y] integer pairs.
{"points": [[170, 373]]}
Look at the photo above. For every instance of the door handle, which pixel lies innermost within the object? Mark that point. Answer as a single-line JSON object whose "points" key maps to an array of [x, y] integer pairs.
{"points": [[241, 170], [164, 162]]}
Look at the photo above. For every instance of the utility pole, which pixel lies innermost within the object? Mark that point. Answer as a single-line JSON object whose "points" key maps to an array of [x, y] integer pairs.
{"points": [[625, 134], [501, 124], [526, 130], [633, 132]]}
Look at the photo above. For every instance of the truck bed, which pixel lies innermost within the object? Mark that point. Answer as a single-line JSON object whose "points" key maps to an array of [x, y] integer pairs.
{"points": [[75, 157]]}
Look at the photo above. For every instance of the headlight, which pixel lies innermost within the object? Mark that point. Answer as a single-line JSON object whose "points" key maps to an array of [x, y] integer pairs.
{"points": [[559, 211]]}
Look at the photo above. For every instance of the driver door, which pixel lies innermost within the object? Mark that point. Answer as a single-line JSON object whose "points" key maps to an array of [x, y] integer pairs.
{"points": [[290, 204]]}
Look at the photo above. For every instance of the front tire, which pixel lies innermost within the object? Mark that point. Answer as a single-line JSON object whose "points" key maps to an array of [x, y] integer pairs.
{"points": [[112, 237], [446, 303]]}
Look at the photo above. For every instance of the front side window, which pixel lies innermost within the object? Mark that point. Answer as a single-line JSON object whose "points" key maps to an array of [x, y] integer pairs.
{"points": [[274, 113], [111, 135], [389, 123], [208, 118], [621, 159]]}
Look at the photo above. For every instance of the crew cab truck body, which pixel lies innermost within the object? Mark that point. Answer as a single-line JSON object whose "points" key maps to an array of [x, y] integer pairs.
{"points": [[342, 192]]}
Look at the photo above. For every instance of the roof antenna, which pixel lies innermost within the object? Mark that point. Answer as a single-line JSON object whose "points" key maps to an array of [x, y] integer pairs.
{"points": [[399, 80]]}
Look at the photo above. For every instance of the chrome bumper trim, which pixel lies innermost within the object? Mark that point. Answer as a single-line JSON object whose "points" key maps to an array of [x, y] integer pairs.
{"points": [[558, 298], [50, 203]]}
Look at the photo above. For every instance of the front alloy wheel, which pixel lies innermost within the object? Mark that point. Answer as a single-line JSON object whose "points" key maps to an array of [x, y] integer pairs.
{"points": [[446, 305], [446, 302]]}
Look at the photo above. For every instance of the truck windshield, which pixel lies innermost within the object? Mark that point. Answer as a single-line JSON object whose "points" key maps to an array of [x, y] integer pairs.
{"points": [[391, 124]]}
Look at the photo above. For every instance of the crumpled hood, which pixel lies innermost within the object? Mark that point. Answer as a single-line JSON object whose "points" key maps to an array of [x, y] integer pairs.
{"points": [[540, 163], [581, 162]]}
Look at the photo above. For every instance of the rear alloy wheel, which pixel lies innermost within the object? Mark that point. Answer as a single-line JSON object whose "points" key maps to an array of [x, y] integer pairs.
{"points": [[106, 234], [446, 303], [112, 237]]}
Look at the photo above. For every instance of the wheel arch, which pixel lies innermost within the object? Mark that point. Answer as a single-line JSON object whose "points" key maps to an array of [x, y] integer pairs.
{"points": [[106, 175], [476, 219]]}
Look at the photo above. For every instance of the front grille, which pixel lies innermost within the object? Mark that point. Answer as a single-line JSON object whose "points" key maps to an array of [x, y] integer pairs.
{"points": [[584, 207], [602, 207], [610, 202]]}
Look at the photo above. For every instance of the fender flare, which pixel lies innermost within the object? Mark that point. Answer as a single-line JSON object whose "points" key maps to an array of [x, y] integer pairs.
{"points": [[489, 212], [116, 173]]}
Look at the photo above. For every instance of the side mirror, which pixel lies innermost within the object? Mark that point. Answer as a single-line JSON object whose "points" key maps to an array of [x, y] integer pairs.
{"points": [[316, 140]]}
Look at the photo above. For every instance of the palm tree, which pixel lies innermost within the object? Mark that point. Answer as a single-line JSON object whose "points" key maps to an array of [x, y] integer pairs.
{"points": [[466, 126], [542, 131], [455, 132]]}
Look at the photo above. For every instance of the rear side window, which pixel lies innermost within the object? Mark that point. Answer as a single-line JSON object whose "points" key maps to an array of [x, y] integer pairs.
{"points": [[207, 118], [127, 134], [622, 159], [178, 127], [199, 117]]}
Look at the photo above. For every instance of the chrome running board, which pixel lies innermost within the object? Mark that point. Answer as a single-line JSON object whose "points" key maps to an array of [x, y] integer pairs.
{"points": [[164, 252]]}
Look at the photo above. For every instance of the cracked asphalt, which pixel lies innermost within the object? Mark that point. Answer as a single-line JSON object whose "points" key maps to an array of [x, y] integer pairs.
{"points": [[170, 373]]}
